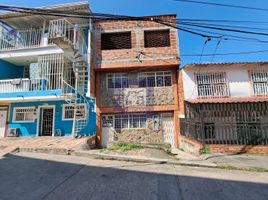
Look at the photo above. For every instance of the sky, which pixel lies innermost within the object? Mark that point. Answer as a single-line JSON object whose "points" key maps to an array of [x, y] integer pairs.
{"points": [[189, 43]]}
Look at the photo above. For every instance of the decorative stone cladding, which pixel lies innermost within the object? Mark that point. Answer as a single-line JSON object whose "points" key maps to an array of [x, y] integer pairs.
{"points": [[138, 55], [147, 135], [134, 96]]}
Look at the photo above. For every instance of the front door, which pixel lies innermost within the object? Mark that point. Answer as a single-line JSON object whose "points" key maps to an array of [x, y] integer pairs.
{"points": [[47, 121], [168, 128], [3, 120]]}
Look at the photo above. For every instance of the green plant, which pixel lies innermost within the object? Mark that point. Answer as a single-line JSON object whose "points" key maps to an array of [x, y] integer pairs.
{"points": [[122, 146], [205, 150], [181, 149]]}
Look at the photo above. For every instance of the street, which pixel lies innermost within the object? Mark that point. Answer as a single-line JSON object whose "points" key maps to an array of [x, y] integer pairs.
{"points": [[40, 176]]}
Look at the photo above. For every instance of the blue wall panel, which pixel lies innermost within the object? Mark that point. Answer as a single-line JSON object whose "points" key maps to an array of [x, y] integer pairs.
{"points": [[30, 129], [10, 71]]}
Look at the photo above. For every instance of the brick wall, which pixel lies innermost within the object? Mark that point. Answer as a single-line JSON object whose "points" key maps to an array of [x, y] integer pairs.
{"points": [[238, 149], [133, 57]]}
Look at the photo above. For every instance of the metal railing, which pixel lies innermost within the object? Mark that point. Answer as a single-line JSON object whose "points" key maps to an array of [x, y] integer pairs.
{"points": [[10, 40], [62, 28], [22, 85], [213, 90], [251, 134]]}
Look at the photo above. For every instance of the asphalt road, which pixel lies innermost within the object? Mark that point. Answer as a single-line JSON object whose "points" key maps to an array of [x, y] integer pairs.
{"points": [[39, 176]]}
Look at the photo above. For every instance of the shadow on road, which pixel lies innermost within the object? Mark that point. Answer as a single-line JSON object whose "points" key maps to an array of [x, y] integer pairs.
{"points": [[31, 179]]}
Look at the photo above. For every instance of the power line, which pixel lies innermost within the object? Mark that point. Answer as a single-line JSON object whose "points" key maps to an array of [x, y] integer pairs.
{"points": [[222, 5], [225, 54]]}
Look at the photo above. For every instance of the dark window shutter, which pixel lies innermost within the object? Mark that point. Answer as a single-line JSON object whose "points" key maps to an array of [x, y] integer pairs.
{"points": [[111, 41], [157, 38]]}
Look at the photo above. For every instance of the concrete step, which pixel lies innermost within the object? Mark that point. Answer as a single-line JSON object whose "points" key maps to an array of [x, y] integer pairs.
{"points": [[8, 150]]}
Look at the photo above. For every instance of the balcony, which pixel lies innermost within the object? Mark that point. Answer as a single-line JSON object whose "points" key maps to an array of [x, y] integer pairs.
{"points": [[23, 39]]}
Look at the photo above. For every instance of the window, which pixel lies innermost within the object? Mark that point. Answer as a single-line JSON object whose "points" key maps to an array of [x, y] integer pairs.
{"points": [[212, 85], [130, 121], [117, 81], [155, 79], [25, 114], [68, 112], [112, 41], [260, 82], [156, 38]]}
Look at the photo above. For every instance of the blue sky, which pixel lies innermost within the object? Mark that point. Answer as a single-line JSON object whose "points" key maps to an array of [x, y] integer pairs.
{"points": [[189, 44]]}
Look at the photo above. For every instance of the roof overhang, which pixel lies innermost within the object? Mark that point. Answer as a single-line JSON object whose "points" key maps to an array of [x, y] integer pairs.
{"points": [[24, 20], [229, 100]]}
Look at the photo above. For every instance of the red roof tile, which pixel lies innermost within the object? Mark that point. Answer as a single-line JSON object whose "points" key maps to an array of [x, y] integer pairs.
{"points": [[229, 100]]}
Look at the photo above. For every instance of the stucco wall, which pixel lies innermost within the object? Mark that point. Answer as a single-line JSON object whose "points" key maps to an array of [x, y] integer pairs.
{"points": [[134, 96], [237, 76], [10, 71], [30, 129]]}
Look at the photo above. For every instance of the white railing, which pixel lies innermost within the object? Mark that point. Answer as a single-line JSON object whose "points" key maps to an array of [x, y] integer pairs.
{"points": [[62, 28], [217, 90], [260, 82], [30, 38], [22, 85]]}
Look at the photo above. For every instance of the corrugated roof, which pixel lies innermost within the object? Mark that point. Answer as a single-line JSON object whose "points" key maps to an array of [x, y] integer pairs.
{"points": [[229, 100], [224, 63]]}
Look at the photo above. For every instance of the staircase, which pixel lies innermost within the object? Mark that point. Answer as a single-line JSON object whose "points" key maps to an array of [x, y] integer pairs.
{"points": [[70, 39]]}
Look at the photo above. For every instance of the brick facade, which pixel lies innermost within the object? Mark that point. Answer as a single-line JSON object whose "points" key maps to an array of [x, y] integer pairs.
{"points": [[132, 61], [238, 149]]}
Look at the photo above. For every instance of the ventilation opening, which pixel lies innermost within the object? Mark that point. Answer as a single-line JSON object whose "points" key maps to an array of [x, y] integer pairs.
{"points": [[111, 41], [156, 38]]}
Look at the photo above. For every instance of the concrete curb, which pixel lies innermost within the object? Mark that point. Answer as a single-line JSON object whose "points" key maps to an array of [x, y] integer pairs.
{"points": [[142, 159]]}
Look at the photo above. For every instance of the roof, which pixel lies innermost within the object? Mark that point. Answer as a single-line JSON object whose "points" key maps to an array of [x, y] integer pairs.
{"points": [[229, 100], [224, 63], [24, 20]]}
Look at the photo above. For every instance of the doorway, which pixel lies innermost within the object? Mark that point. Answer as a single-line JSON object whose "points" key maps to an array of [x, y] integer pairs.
{"points": [[47, 115], [3, 121]]}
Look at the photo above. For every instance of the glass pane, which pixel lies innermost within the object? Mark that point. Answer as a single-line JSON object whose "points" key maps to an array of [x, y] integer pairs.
{"points": [[168, 81], [142, 82], [118, 83], [150, 81], [19, 116], [160, 81], [110, 83], [125, 82], [29, 116], [143, 123]]}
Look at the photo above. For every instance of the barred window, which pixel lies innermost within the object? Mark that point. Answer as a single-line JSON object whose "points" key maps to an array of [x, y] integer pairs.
{"points": [[129, 121], [155, 79], [68, 112], [260, 82], [212, 84], [112, 41], [158, 38], [24, 114], [117, 81]]}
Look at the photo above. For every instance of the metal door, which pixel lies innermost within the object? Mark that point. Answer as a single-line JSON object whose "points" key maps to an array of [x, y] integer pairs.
{"points": [[107, 130], [3, 121], [47, 121], [168, 128]]}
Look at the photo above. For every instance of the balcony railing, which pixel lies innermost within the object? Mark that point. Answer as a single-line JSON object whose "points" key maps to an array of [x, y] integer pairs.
{"points": [[30, 38], [211, 90], [22, 85]]}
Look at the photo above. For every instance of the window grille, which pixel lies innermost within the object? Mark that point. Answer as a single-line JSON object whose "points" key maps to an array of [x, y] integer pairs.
{"points": [[24, 114], [68, 112], [260, 82], [212, 85], [155, 79], [117, 81], [130, 121], [112, 41], [157, 38]]}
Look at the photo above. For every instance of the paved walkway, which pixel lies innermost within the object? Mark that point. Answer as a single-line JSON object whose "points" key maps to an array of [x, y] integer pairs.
{"points": [[63, 144]]}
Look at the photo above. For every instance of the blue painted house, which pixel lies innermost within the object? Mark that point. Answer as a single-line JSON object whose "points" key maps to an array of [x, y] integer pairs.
{"points": [[44, 74]]}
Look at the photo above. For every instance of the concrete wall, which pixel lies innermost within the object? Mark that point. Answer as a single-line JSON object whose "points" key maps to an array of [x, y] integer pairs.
{"points": [[133, 57], [134, 96], [30, 129], [238, 78], [10, 71]]}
